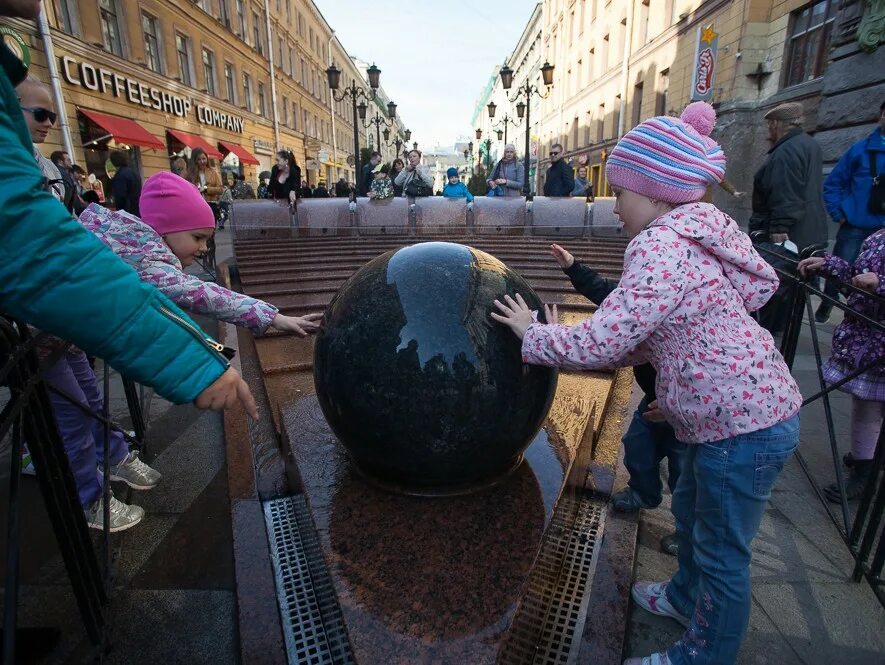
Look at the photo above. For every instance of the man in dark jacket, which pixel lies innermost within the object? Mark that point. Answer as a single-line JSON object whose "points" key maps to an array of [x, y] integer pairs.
{"points": [[787, 200], [126, 184], [560, 180], [63, 163], [366, 177], [342, 189], [649, 439]]}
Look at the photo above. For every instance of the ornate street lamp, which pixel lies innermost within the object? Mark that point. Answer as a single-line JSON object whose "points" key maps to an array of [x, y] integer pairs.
{"points": [[491, 107], [355, 93], [379, 120], [391, 110], [524, 108], [488, 144], [500, 134], [408, 134]]}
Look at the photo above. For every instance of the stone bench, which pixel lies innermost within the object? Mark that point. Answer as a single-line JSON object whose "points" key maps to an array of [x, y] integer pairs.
{"points": [[493, 215], [388, 217], [261, 219], [603, 221], [323, 217], [564, 217], [435, 215]]}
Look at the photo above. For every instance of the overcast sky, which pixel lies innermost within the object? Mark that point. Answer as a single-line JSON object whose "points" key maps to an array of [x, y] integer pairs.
{"points": [[435, 57]]}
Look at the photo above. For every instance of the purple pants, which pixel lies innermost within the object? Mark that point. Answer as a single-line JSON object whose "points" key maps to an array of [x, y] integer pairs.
{"points": [[81, 434]]}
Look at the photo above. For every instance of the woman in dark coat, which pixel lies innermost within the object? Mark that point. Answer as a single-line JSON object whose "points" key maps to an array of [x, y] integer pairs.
{"points": [[397, 166], [285, 178]]}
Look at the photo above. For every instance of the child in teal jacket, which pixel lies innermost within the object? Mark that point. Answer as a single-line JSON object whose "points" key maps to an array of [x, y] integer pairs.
{"points": [[455, 189]]}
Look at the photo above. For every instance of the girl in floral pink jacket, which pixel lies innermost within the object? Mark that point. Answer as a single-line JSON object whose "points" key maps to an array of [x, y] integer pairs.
{"points": [[690, 280], [174, 227]]}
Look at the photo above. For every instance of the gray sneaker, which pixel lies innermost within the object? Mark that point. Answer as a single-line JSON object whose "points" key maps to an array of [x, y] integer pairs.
{"points": [[123, 516], [135, 473]]}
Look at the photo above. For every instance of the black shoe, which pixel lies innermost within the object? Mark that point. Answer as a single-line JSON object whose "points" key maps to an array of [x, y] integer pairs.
{"points": [[854, 484], [670, 545], [822, 315]]}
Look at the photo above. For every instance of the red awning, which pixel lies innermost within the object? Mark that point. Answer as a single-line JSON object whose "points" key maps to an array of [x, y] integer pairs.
{"points": [[242, 154], [193, 141], [124, 130]]}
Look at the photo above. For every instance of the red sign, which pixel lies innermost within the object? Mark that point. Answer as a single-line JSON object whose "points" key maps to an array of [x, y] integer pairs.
{"points": [[704, 74]]}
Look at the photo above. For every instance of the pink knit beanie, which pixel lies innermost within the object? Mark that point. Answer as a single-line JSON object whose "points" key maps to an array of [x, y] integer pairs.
{"points": [[669, 159], [169, 203]]}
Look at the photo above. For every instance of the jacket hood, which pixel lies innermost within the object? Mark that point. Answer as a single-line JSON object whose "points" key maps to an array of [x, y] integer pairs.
{"points": [[703, 223], [876, 141]]}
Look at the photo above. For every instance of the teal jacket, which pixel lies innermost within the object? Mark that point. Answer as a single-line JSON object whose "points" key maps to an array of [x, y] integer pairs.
{"points": [[457, 191], [59, 277]]}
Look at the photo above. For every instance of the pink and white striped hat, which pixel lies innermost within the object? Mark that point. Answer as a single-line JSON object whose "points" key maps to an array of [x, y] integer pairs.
{"points": [[669, 159]]}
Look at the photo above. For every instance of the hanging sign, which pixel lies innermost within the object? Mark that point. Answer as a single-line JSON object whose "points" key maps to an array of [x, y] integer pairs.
{"points": [[705, 62], [16, 43]]}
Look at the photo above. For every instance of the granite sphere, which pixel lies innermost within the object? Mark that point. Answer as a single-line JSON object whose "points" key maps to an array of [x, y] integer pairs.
{"points": [[428, 394]]}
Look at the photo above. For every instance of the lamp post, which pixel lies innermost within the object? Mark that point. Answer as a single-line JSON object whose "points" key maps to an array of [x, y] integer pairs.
{"points": [[488, 144], [468, 156], [355, 92], [379, 120], [397, 141], [505, 121], [524, 108]]}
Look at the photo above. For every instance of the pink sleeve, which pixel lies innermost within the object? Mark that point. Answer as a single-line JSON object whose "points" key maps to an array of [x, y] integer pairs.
{"points": [[646, 295]]}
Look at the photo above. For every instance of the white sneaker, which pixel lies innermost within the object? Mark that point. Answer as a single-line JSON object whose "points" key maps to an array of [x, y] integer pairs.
{"points": [[135, 473], [652, 597], [123, 516]]}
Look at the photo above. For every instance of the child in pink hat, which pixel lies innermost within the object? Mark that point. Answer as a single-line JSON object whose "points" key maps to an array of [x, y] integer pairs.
{"points": [[691, 278]]}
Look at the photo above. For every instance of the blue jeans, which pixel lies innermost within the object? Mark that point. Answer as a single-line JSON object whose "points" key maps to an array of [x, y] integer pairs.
{"points": [[645, 445], [718, 505], [848, 241]]}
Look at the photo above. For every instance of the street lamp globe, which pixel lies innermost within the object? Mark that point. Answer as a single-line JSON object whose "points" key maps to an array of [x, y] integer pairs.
{"points": [[374, 74], [361, 110], [506, 77], [520, 110], [547, 74], [334, 76], [491, 107], [391, 110]]}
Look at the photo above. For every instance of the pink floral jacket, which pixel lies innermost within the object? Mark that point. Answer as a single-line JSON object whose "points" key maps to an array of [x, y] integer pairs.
{"points": [[690, 280], [142, 248]]}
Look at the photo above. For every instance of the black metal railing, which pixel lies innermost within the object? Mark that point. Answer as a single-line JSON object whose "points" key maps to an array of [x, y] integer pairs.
{"points": [[864, 532], [27, 416]]}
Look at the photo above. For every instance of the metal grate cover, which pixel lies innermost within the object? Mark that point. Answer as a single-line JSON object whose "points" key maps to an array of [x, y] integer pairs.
{"points": [[554, 608], [312, 624]]}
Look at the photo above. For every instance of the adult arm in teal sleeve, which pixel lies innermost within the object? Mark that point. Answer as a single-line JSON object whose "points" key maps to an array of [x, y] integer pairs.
{"points": [[59, 277]]}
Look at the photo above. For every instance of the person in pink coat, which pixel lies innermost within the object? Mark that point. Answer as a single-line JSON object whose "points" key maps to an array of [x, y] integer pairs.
{"points": [[691, 278]]}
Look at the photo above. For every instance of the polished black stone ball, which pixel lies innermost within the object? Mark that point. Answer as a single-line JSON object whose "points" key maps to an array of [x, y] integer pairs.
{"points": [[425, 390]]}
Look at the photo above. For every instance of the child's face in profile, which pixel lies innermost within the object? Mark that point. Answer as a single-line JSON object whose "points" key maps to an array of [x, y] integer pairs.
{"points": [[380, 175], [635, 210], [187, 245], [453, 180]]}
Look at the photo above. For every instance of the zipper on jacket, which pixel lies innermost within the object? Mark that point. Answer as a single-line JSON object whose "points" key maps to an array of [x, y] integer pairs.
{"points": [[212, 344]]}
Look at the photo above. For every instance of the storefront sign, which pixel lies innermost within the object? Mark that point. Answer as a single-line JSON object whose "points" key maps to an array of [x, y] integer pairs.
{"points": [[102, 80], [262, 147], [16, 44], [704, 64]]}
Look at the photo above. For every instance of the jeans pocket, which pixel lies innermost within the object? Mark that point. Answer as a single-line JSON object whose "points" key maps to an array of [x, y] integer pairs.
{"points": [[768, 466]]}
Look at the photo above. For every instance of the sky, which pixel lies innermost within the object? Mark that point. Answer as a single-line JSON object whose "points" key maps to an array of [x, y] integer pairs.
{"points": [[435, 57]]}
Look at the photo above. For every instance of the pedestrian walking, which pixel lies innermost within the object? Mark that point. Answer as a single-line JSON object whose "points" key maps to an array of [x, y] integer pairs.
{"points": [[508, 175], [849, 197], [560, 179], [857, 344], [342, 189], [203, 175], [321, 192], [690, 279]]}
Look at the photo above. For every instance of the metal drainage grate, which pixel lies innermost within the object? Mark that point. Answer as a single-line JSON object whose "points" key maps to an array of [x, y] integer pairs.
{"points": [[312, 624], [554, 608]]}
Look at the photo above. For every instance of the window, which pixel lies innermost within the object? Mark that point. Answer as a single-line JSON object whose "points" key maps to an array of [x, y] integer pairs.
{"points": [[229, 85], [256, 32], [808, 42], [209, 71], [110, 26], [574, 140], [303, 74], [223, 13], [643, 22], [183, 49], [66, 10], [247, 91], [663, 91], [285, 111], [281, 63], [289, 12], [616, 117], [600, 124], [151, 42], [305, 125], [637, 104], [262, 109], [587, 130], [603, 55], [294, 116], [241, 18]]}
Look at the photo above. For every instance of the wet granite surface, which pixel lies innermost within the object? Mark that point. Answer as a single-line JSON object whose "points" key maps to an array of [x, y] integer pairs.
{"points": [[424, 389], [424, 580]]}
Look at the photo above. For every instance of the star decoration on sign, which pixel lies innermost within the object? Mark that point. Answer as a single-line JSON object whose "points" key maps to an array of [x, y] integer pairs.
{"points": [[707, 34]]}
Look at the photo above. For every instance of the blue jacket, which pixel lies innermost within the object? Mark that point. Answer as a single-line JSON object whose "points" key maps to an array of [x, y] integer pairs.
{"points": [[847, 188], [457, 191], [58, 276]]}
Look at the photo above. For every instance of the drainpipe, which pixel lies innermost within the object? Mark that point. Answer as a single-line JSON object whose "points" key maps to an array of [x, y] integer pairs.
{"points": [[332, 111], [54, 82], [625, 67], [273, 79]]}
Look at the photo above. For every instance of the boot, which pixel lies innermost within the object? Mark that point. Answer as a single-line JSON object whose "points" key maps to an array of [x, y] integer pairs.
{"points": [[822, 315], [860, 472]]}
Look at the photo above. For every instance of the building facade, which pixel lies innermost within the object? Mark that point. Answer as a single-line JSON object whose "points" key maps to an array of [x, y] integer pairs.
{"points": [[157, 78], [619, 62]]}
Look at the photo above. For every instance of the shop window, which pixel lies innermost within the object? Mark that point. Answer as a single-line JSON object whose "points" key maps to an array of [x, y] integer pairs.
{"points": [[66, 11], [209, 72], [229, 86], [150, 25], [808, 41], [109, 16], [183, 50], [262, 109], [256, 33], [247, 91], [241, 19]]}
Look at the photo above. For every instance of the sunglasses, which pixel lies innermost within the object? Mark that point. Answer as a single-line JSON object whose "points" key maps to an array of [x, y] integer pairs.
{"points": [[554, 153], [40, 114]]}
